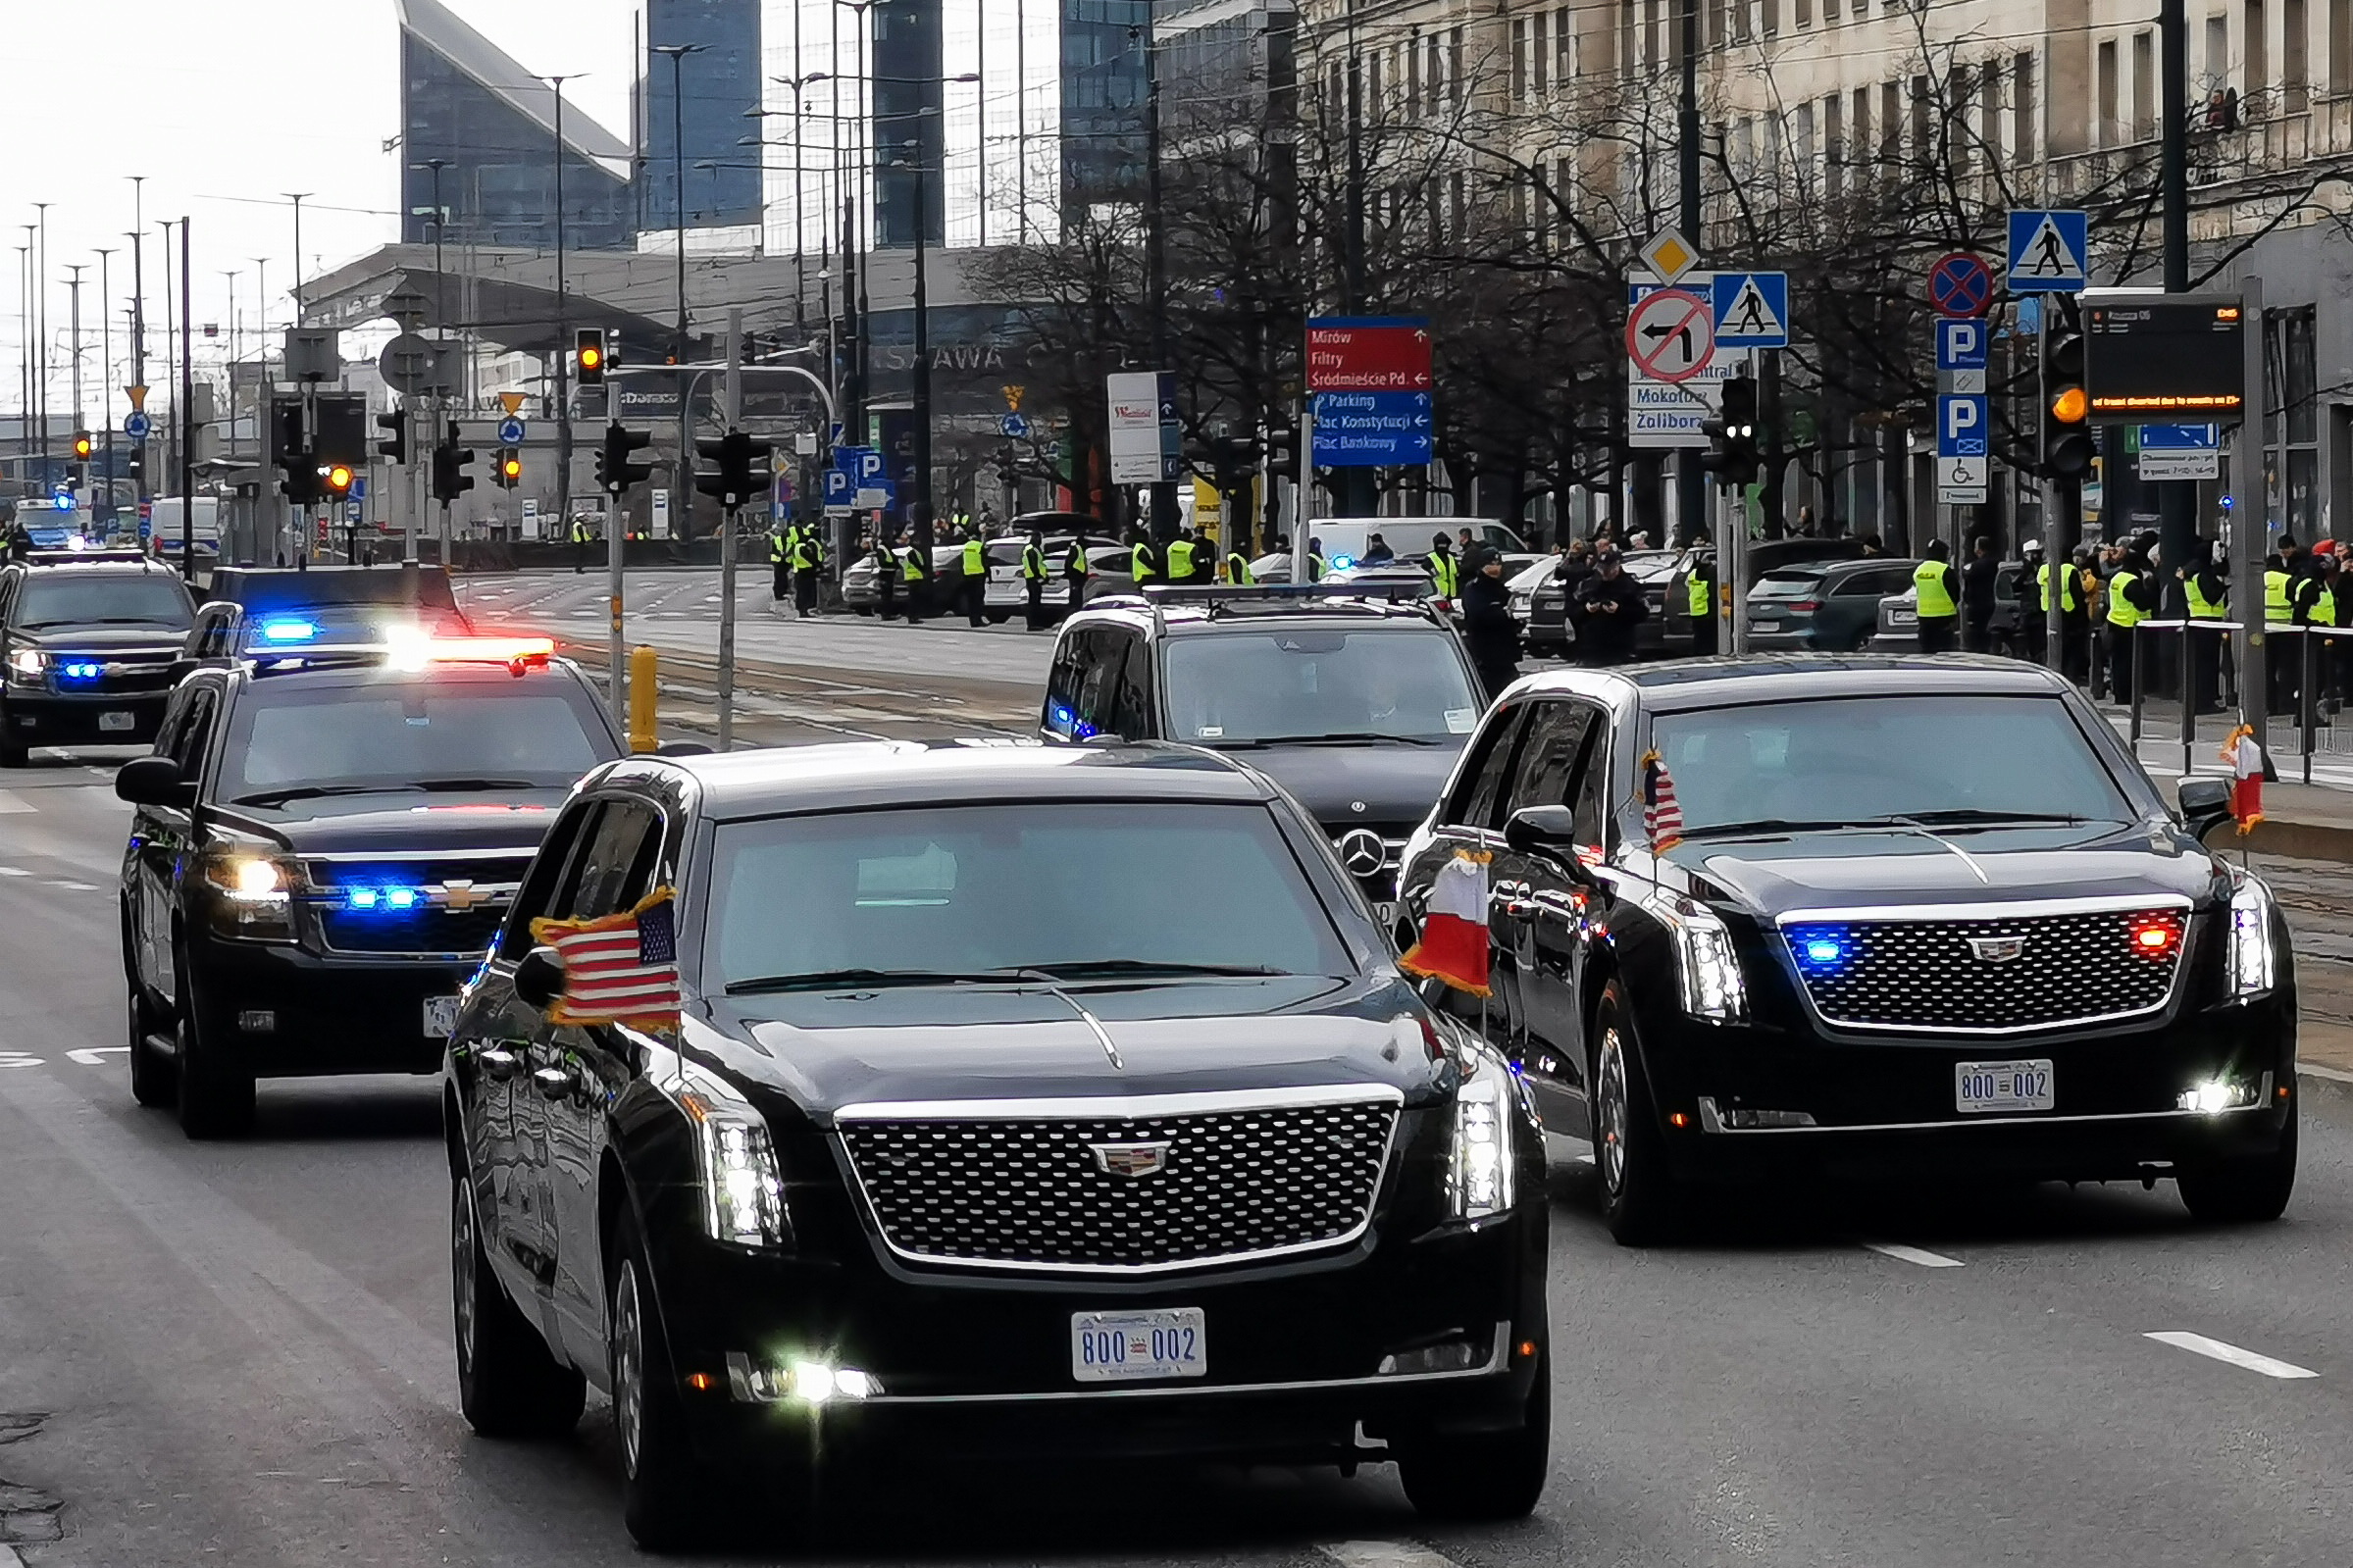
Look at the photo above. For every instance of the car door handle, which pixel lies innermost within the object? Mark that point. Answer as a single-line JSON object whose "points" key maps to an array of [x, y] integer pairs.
{"points": [[1566, 907], [555, 1082], [1504, 891], [497, 1063]]}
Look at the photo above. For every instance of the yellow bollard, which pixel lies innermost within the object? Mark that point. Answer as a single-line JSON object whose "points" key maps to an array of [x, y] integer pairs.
{"points": [[644, 691]]}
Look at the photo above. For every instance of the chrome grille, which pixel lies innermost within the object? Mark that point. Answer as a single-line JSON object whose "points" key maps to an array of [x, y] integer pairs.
{"points": [[460, 902], [1992, 974], [1061, 1189]]}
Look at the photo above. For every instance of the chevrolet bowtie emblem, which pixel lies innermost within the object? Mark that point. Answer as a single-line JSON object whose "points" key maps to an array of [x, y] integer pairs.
{"points": [[457, 896], [1131, 1159]]}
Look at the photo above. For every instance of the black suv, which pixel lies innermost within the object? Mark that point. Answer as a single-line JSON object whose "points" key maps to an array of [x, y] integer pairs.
{"points": [[86, 649], [323, 851], [941, 1151], [256, 610], [1357, 704], [1918, 914]]}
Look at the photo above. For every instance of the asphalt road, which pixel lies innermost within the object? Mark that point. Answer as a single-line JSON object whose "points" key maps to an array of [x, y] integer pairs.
{"points": [[240, 1353]]}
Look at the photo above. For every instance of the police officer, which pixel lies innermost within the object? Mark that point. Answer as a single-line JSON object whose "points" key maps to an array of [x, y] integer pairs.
{"points": [[1978, 582], [1237, 566], [1489, 634], [2074, 616], [580, 545], [1446, 568], [972, 583], [1938, 588], [885, 575], [2034, 626], [1033, 577], [1315, 562], [1143, 562], [1699, 600], [1180, 557], [2132, 598], [781, 542], [1075, 572], [2283, 656], [805, 560], [915, 576]]}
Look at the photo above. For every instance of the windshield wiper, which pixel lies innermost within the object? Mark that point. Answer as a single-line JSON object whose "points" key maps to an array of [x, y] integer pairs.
{"points": [[1975, 816], [1346, 738], [474, 784], [278, 798], [825, 978], [1107, 968], [1764, 826]]}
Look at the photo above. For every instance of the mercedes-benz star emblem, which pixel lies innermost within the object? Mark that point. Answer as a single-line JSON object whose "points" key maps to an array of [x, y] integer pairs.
{"points": [[1997, 949], [1362, 852], [1130, 1159]]}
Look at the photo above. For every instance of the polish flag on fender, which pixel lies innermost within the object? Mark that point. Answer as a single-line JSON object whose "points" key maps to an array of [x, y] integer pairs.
{"points": [[2247, 771], [1453, 927]]}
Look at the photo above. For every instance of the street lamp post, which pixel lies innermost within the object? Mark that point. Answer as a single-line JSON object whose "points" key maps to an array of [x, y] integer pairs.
{"points": [[297, 198], [106, 378], [682, 495], [920, 504]]}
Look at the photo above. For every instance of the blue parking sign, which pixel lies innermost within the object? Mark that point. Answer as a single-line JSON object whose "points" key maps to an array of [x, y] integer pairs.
{"points": [[1960, 424]]}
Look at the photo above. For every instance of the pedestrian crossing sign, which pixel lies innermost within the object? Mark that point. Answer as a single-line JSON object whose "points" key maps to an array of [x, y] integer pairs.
{"points": [[2048, 252], [1752, 310]]}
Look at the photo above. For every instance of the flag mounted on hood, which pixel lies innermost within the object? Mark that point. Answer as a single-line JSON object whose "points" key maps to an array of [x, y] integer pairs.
{"points": [[1454, 926], [1662, 814], [2248, 769], [621, 969]]}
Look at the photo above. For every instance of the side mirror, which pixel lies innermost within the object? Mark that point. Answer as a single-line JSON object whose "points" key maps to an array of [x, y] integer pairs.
{"points": [[2205, 804], [682, 748], [153, 781], [1550, 832], [540, 978]]}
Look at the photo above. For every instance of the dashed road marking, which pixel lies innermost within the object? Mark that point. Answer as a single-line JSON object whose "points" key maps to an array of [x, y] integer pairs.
{"points": [[12, 803], [2200, 1344], [95, 1055], [74, 886], [1912, 1254], [1384, 1554], [14, 871]]}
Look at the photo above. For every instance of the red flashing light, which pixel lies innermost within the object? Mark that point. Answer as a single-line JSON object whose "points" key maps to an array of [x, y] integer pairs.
{"points": [[2155, 935]]}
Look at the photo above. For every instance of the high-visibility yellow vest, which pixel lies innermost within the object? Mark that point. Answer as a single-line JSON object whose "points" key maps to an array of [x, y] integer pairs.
{"points": [[2275, 607], [1140, 561], [2121, 611], [2067, 587], [911, 565], [1237, 572], [1695, 596], [1033, 563], [976, 559], [2202, 608], [1180, 560], [1315, 567], [1928, 580], [1446, 573], [1074, 561], [777, 547], [807, 553]]}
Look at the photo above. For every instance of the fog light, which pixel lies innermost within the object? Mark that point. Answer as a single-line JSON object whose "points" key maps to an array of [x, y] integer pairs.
{"points": [[258, 1020], [2218, 1094], [1451, 1355], [1740, 1119], [810, 1382]]}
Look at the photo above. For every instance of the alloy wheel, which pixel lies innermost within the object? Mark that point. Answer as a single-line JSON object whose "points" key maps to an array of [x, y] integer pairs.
{"points": [[1610, 1094], [461, 1268], [629, 1366]]}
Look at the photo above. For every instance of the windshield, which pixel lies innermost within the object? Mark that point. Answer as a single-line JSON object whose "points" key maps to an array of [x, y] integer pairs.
{"points": [[291, 737], [1304, 684], [124, 599], [1871, 759], [1066, 888]]}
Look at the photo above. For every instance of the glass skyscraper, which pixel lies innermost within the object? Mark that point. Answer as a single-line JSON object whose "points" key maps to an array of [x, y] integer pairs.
{"points": [[708, 114]]}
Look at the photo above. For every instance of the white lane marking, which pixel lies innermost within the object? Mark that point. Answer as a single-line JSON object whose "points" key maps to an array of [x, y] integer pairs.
{"points": [[1383, 1555], [14, 871], [9, 1059], [95, 1055], [12, 803], [1912, 1254], [9, 1557], [2199, 1345], [74, 886]]}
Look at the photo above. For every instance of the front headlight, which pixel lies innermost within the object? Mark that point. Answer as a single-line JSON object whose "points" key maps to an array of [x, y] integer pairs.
{"points": [[2254, 966], [743, 1191], [1706, 964], [26, 665], [252, 894], [1479, 1174]]}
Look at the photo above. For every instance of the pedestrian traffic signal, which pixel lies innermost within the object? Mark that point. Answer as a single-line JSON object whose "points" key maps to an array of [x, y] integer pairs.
{"points": [[393, 450], [1282, 452], [2067, 449], [450, 463], [82, 446], [589, 354], [335, 479], [616, 475], [742, 470], [509, 472], [1732, 455]]}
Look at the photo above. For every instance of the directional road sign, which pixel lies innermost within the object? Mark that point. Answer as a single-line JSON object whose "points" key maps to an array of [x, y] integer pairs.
{"points": [[510, 431], [1370, 429], [1369, 354], [1961, 426], [1671, 334], [1013, 427], [1752, 310], [137, 426], [2181, 452], [2049, 252], [1959, 284]]}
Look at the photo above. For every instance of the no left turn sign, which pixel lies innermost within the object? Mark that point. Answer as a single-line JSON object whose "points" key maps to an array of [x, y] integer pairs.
{"points": [[1671, 334]]}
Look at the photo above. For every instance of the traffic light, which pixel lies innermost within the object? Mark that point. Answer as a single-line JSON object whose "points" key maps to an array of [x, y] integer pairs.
{"points": [[450, 463], [509, 472], [589, 354], [1732, 455], [743, 470], [334, 481], [82, 446], [393, 450], [616, 475], [1282, 452], [2067, 449]]}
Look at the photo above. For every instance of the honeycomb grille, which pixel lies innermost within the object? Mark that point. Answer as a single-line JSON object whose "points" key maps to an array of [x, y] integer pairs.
{"points": [[2025, 972], [1051, 1194]]}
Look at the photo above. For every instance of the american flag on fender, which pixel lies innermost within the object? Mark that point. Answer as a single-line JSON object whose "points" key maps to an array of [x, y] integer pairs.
{"points": [[618, 968], [1661, 817]]}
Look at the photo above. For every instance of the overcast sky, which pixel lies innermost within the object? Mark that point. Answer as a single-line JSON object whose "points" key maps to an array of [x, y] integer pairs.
{"points": [[222, 105]]}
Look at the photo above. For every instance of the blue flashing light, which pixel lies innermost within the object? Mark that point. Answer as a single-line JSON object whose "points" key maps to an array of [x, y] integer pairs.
{"points": [[1823, 950], [402, 897], [1820, 948], [1341, 563], [363, 897], [290, 630], [81, 670], [63, 501]]}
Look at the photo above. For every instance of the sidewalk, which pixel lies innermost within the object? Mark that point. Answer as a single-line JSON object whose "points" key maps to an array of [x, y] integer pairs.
{"points": [[2307, 822]]}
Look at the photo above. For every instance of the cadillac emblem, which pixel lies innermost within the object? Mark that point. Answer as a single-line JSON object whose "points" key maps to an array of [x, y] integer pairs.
{"points": [[1130, 1159], [1997, 949]]}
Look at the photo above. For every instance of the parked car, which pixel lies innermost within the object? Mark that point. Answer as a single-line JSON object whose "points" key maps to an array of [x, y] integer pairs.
{"points": [[1821, 606], [861, 589], [1899, 616], [1763, 555]]}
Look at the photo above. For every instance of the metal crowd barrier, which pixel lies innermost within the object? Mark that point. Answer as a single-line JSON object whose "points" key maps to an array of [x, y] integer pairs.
{"points": [[2312, 640]]}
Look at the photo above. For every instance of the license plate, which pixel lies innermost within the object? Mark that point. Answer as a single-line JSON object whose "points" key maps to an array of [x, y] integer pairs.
{"points": [[1764, 625], [2003, 1086], [440, 1016], [118, 721], [1902, 617], [1135, 1346], [1385, 911], [1005, 573]]}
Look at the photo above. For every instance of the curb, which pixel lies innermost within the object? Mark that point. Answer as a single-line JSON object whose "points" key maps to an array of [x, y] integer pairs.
{"points": [[2325, 1083]]}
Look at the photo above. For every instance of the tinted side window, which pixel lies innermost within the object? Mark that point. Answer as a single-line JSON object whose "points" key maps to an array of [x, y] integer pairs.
{"points": [[1591, 785], [1063, 684], [547, 875], [196, 729], [1482, 786], [617, 868], [1549, 757], [1132, 709], [1101, 656]]}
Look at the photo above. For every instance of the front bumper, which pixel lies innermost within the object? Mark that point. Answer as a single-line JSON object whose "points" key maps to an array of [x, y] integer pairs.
{"points": [[325, 1016], [41, 718]]}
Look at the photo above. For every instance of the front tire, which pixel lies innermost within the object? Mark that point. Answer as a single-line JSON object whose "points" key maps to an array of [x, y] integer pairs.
{"points": [[1486, 1476], [154, 1079], [2243, 1192], [508, 1383], [661, 1503], [216, 1099], [1642, 1202]]}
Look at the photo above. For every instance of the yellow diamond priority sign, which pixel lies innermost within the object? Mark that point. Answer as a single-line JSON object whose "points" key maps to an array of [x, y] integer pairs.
{"points": [[1670, 256]]}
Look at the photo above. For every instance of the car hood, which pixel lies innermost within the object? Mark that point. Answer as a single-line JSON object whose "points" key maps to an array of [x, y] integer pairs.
{"points": [[830, 1050], [403, 821], [1869, 869], [1371, 785], [104, 639]]}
